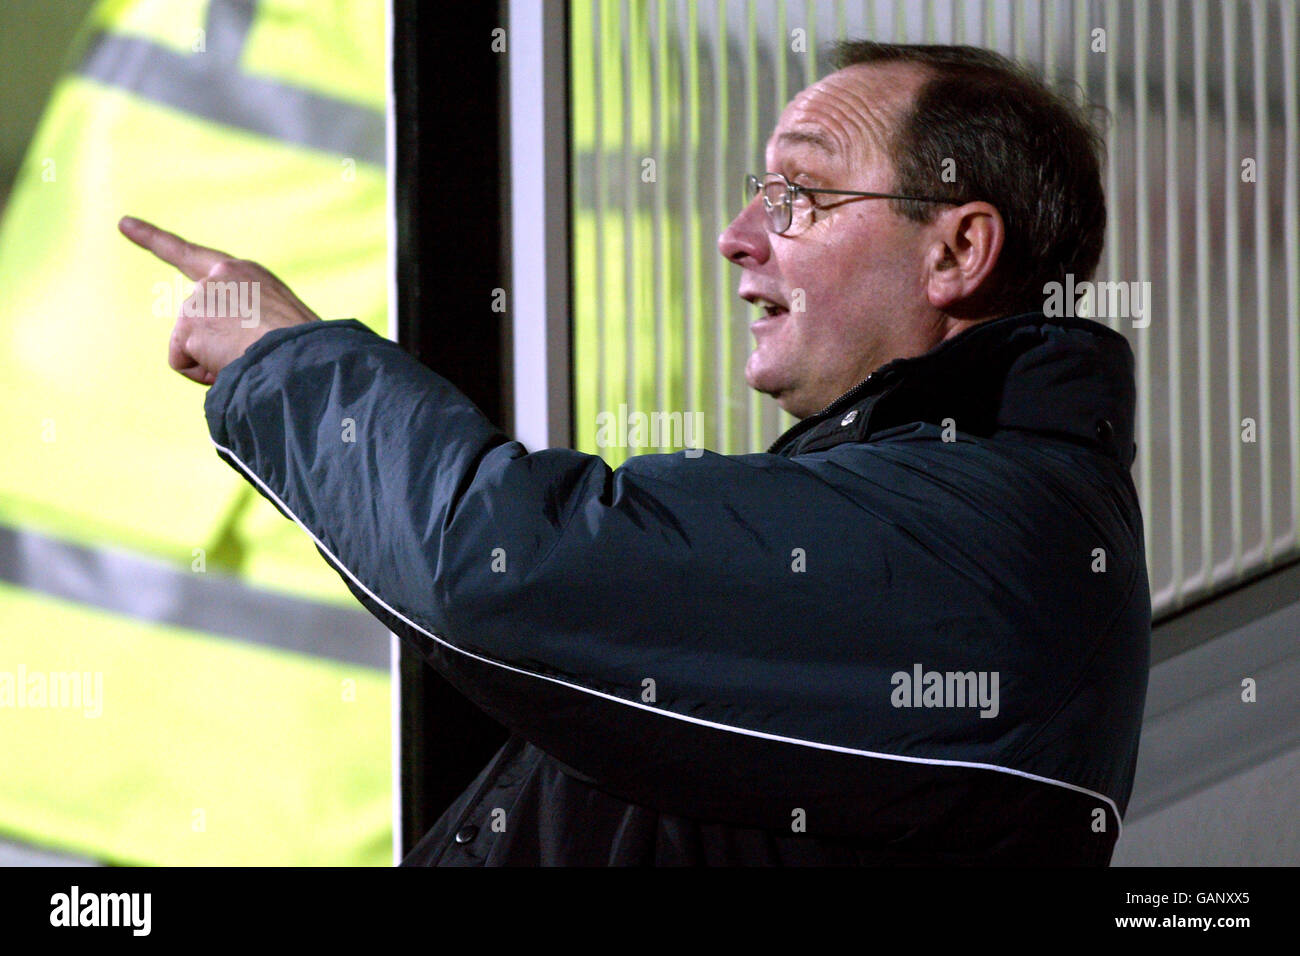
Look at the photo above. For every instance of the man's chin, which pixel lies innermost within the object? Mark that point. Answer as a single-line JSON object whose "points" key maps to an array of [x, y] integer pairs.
{"points": [[761, 379], [773, 386]]}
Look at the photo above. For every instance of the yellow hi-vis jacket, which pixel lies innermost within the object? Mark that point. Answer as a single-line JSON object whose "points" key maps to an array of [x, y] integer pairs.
{"points": [[182, 680]]}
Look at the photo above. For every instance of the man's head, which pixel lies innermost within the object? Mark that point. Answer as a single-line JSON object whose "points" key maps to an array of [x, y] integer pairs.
{"points": [[857, 282]]}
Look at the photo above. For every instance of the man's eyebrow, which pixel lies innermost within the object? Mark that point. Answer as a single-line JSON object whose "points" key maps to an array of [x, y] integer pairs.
{"points": [[810, 137]]}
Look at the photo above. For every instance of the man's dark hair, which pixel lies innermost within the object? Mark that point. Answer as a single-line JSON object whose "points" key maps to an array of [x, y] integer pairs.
{"points": [[1015, 144]]}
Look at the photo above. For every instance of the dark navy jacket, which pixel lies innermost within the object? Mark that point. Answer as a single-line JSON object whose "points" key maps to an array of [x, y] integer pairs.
{"points": [[763, 658]]}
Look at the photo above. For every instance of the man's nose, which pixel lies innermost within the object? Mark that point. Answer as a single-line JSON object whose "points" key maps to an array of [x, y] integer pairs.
{"points": [[747, 235]]}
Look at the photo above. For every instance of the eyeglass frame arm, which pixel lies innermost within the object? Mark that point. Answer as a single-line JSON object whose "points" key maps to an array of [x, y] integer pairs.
{"points": [[793, 189]]}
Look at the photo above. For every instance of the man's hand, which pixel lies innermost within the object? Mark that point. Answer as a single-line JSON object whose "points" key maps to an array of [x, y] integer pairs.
{"points": [[234, 303]]}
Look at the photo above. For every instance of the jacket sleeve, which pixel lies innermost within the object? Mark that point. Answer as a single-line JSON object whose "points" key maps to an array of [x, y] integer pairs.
{"points": [[714, 635]]}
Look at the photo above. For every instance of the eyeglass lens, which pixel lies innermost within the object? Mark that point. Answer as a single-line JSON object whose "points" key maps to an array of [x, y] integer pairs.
{"points": [[776, 199]]}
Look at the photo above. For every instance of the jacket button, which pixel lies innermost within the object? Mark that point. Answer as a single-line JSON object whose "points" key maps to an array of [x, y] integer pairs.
{"points": [[466, 834], [1105, 430]]}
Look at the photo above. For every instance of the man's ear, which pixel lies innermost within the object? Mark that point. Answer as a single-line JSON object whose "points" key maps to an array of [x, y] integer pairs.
{"points": [[965, 244]]}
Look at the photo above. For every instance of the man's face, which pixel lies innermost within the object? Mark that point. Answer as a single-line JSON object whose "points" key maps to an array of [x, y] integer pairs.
{"points": [[856, 265]]}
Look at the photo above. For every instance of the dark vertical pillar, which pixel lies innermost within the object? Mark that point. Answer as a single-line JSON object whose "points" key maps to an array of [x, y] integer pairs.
{"points": [[451, 190]]}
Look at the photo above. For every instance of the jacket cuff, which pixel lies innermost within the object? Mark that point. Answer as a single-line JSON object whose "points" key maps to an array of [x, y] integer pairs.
{"points": [[223, 389]]}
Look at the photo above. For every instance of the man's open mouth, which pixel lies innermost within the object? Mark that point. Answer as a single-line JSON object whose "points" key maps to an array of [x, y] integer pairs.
{"points": [[772, 309]]}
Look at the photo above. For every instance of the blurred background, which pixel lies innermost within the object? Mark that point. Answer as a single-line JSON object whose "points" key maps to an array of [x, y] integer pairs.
{"points": [[245, 706], [194, 684]]}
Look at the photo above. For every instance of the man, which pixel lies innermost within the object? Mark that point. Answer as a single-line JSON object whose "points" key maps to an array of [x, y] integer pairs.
{"points": [[914, 631]]}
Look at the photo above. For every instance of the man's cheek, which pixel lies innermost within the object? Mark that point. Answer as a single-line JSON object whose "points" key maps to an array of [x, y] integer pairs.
{"points": [[817, 296], [798, 301]]}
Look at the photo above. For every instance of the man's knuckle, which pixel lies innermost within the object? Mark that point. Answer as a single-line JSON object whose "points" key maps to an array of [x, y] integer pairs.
{"points": [[225, 268]]}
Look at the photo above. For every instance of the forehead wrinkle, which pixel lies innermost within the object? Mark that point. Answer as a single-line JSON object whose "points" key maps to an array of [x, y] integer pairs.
{"points": [[809, 136], [858, 107], [851, 123]]}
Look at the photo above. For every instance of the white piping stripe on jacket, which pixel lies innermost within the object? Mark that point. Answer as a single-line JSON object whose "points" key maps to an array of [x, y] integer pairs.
{"points": [[936, 761]]}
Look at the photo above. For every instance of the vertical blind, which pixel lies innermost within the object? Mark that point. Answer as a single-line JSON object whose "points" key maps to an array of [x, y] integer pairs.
{"points": [[672, 102]]}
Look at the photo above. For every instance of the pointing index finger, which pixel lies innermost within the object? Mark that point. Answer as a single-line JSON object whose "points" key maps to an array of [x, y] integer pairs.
{"points": [[193, 260]]}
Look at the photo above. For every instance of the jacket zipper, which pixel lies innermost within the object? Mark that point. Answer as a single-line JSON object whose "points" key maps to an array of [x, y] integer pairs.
{"points": [[799, 427]]}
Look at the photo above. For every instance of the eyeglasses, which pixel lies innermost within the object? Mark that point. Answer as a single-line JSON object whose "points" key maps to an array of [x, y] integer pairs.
{"points": [[779, 196]]}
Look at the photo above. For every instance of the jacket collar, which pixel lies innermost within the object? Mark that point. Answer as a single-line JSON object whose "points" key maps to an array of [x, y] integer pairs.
{"points": [[1065, 378]]}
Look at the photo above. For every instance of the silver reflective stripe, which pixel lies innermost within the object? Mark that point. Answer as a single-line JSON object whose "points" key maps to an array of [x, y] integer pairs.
{"points": [[227, 28], [25, 854], [210, 602], [213, 88]]}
